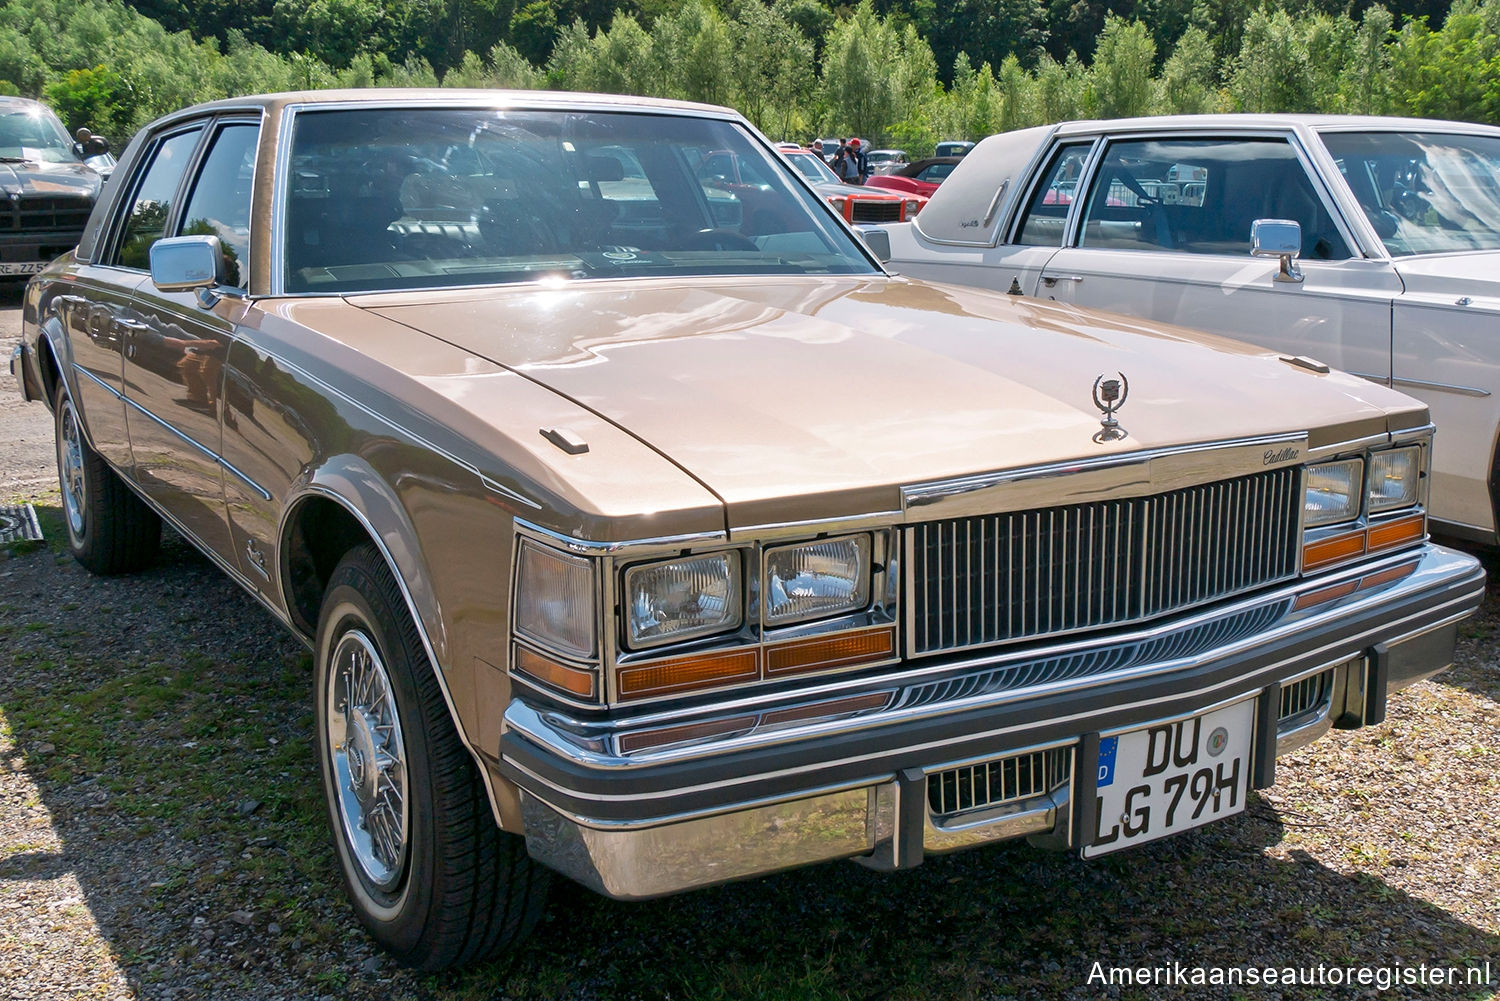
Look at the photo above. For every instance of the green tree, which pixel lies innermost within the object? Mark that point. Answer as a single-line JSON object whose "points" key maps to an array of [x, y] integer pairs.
{"points": [[1450, 73], [1273, 71], [1188, 77], [1121, 75], [1365, 81]]}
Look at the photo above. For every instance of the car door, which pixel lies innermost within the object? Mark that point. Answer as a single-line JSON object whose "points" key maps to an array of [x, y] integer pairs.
{"points": [[1164, 231], [202, 332], [174, 352]]}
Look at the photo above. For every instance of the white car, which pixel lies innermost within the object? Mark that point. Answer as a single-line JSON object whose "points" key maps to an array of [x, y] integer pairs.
{"points": [[1376, 249]]}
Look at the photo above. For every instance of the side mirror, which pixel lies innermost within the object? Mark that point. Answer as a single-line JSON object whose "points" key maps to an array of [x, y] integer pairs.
{"points": [[1281, 238], [878, 240], [188, 264]]}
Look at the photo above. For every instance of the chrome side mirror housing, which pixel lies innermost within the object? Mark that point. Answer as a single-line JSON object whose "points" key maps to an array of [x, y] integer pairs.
{"points": [[188, 264], [878, 240], [1280, 238]]}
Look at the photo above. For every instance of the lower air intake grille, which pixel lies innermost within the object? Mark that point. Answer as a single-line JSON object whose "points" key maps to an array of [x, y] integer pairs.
{"points": [[994, 783], [1304, 696]]}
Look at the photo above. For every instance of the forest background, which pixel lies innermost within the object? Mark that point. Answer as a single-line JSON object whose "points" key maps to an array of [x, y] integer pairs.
{"points": [[906, 73]]}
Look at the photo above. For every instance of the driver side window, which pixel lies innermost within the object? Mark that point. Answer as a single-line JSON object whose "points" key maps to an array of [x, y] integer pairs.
{"points": [[1201, 196], [151, 205]]}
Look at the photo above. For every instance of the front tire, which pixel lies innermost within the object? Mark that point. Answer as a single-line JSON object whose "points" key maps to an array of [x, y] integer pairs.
{"points": [[430, 875], [110, 529]]}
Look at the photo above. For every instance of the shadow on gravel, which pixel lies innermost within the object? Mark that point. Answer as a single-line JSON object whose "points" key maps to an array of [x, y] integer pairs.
{"points": [[1477, 669], [164, 720]]}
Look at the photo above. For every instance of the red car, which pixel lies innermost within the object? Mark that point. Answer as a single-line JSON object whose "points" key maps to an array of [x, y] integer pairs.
{"points": [[857, 204], [921, 177]]}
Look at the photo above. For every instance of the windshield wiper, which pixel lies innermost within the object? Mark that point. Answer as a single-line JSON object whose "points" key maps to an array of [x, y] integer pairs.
{"points": [[14, 159]]}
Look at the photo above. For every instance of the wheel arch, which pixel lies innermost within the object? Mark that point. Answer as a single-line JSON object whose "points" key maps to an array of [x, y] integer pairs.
{"points": [[345, 502]]}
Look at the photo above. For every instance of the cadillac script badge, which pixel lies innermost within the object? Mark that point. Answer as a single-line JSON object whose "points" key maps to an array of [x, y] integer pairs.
{"points": [[1109, 396]]}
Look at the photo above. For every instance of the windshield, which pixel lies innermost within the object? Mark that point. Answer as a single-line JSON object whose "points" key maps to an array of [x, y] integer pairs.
{"points": [[388, 198], [814, 169], [36, 135], [1424, 193]]}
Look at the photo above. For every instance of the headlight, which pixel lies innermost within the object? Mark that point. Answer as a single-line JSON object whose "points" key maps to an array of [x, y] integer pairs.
{"points": [[816, 579], [1393, 478], [680, 599], [837, 201], [555, 600], [913, 206], [1333, 492]]}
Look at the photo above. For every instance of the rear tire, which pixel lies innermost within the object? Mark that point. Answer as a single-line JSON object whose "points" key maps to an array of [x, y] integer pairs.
{"points": [[110, 529], [430, 875]]}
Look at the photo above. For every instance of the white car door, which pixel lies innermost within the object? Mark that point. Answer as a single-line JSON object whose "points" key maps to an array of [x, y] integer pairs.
{"points": [[1163, 231]]}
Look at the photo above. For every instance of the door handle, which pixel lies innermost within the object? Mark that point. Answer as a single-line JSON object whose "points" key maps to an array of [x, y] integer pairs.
{"points": [[131, 326], [1051, 280]]}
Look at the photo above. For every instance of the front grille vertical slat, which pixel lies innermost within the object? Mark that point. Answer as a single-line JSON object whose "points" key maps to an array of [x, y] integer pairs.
{"points": [[1026, 574], [996, 783]]}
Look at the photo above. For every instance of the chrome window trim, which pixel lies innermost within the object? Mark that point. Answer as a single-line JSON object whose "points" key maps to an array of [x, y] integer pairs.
{"points": [[217, 459], [1109, 477]]}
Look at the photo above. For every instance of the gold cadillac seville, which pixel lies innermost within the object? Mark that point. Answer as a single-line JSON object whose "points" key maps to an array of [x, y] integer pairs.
{"points": [[650, 532]]}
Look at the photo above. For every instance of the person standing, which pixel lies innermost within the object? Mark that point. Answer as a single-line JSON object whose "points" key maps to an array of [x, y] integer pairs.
{"points": [[861, 162]]}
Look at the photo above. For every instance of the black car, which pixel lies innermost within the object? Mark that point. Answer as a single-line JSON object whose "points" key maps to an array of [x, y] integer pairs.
{"points": [[49, 182]]}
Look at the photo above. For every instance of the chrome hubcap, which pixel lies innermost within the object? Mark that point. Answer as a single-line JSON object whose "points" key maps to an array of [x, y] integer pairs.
{"points": [[70, 468], [369, 759]]}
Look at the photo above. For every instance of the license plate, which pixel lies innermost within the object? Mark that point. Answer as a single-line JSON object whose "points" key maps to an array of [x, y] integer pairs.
{"points": [[29, 268], [1172, 777]]}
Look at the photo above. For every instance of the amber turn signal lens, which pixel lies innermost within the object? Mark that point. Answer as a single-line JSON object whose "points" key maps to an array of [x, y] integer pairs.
{"points": [[682, 674], [662, 736], [1398, 532], [1325, 594], [1333, 550], [822, 653], [569, 679]]}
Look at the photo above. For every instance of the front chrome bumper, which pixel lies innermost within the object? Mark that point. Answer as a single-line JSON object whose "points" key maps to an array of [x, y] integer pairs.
{"points": [[642, 805]]}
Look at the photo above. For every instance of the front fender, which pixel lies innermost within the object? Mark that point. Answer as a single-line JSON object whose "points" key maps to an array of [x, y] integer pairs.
{"points": [[352, 483]]}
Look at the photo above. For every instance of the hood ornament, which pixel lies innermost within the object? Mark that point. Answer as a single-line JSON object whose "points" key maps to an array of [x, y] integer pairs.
{"points": [[1109, 396]]}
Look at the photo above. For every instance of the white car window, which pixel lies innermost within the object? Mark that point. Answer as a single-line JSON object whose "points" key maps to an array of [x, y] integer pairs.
{"points": [[1200, 196], [1047, 213], [1424, 193]]}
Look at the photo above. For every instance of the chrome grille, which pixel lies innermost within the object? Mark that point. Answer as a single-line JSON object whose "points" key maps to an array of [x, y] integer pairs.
{"points": [[1304, 696], [994, 783], [1026, 574]]}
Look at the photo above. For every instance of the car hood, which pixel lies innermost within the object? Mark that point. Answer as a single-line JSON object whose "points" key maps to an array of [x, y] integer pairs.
{"points": [[1474, 273], [802, 398], [32, 178]]}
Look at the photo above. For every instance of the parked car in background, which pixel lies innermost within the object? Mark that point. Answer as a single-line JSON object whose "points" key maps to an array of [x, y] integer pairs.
{"points": [[50, 181], [856, 203], [883, 161], [953, 147], [921, 177], [661, 539], [1367, 244]]}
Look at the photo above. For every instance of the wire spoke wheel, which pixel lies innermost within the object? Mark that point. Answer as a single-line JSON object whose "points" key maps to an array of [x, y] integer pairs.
{"points": [[369, 760], [70, 468]]}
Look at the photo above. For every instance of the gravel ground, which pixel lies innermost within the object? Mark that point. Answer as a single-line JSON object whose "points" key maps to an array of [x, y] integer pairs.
{"points": [[161, 836]]}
